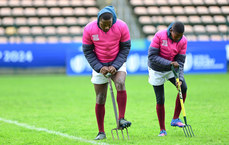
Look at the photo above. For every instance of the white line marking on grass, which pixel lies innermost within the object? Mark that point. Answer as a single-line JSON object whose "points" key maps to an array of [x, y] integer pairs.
{"points": [[51, 132]]}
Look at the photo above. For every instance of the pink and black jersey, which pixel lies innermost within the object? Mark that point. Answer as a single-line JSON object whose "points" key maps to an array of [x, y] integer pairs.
{"points": [[163, 50], [106, 48], [106, 44]]}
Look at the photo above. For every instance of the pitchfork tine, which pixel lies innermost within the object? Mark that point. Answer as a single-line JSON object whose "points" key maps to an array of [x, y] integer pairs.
{"points": [[189, 131], [117, 134], [122, 135], [184, 131], [127, 133], [112, 134], [192, 131]]}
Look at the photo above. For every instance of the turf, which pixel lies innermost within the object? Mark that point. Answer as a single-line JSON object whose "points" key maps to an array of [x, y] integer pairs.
{"points": [[66, 104]]}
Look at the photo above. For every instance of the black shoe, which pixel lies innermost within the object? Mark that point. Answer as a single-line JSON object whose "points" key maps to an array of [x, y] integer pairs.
{"points": [[124, 123], [100, 136]]}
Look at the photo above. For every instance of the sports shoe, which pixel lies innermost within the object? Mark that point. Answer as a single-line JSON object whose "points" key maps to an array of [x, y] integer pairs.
{"points": [[124, 123], [177, 122], [162, 133], [100, 136]]}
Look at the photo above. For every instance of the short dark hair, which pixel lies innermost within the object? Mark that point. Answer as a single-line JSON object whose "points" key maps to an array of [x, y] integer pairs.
{"points": [[178, 27], [106, 16]]}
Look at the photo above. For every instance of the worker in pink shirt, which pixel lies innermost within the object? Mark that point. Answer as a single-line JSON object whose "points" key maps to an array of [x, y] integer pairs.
{"points": [[167, 48], [106, 45]]}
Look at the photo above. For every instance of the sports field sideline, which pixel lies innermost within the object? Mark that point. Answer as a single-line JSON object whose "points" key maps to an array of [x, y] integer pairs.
{"points": [[59, 110]]}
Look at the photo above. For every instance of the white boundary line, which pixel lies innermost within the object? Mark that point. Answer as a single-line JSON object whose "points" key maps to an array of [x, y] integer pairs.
{"points": [[51, 132]]}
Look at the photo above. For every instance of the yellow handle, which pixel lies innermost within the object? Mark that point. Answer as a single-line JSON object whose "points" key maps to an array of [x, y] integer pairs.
{"points": [[181, 97]]}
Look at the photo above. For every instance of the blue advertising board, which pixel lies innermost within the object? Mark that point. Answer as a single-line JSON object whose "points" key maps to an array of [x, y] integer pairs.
{"points": [[78, 65], [206, 57], [137, 62], [202, 57], [34, 55]]}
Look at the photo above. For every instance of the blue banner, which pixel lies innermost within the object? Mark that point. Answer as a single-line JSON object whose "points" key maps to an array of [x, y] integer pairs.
{"points": [[202, 57], [137, 62], [206, 57], [77, 63], [35, 55]]}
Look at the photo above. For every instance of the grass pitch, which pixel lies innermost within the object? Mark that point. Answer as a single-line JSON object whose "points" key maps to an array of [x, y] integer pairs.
{"points": [[59, 110]]}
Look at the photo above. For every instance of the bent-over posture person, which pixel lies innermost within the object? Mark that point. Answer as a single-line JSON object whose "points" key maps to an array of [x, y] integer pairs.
{"points": [[167, 48], [106, 45]]}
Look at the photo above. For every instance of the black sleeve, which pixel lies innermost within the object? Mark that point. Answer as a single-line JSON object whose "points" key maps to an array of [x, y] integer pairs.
{"points": [[180, 58], [90, 55], [122, 55], [155, 59]]}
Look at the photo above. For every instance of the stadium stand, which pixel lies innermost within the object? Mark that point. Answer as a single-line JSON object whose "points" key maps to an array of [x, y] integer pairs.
{"points": [[204, 20], [45, 20], [53, 21]]}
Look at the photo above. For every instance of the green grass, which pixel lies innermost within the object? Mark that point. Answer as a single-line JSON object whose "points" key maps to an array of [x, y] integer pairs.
{"points": [[66, 104]]}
